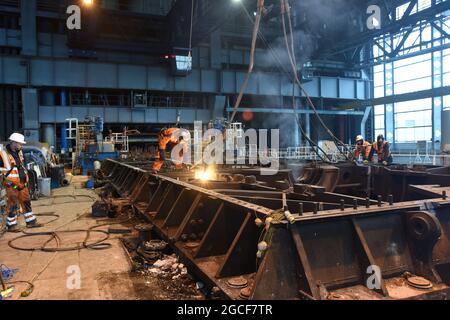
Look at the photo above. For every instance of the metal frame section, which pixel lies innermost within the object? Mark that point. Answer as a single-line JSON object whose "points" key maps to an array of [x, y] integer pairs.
{"points": [[63, 72], [390, 27], [436, 92], [302, 111], [432, 17], [123, 115], [330, 251], [397, 40], [100, 60]]}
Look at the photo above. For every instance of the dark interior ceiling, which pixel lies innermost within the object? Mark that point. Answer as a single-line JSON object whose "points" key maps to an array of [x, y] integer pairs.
{"points": [[320, 25]]}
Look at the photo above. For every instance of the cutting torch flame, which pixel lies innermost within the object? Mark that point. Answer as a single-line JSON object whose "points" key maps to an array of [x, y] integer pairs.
{"points": [[205, 174]]}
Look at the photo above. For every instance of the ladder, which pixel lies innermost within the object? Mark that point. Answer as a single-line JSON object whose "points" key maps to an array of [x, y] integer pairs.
{"points": [[72, 134]]}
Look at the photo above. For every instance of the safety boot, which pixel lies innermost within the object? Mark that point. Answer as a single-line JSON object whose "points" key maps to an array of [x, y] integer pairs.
{"points": [[15, 228], [34, 224]]}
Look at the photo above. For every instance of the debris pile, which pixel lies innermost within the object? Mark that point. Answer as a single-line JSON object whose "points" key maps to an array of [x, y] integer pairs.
{"points": [[169, 266], [157, 271]]}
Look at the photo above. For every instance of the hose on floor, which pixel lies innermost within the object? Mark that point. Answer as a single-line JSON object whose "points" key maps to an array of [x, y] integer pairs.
{"points": [[29, 290], [48, 214], [53, 236], [66, 202]]}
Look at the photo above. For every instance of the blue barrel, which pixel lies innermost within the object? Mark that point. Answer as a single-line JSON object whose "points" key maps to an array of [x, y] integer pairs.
{"points": [[90, 184]]}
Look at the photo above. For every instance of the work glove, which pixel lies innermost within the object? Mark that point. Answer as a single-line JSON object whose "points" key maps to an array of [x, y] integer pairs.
{"points": [[385, 163], [366, 162]]}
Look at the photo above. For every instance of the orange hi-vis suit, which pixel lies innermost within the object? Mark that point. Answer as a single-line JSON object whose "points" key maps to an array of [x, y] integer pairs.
{"points": [[165, 137], [383, 151], [16, 188], [363, 150]]}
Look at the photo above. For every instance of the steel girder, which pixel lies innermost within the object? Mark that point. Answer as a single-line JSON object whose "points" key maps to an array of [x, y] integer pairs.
{"points": [[326, 253]]}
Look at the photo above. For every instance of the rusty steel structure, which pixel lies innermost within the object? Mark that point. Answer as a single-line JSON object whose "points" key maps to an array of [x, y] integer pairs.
{"points": [[337, 232]]}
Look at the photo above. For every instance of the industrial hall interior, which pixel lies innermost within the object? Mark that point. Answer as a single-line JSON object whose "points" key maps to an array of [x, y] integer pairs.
{"points": [[201, 150]]}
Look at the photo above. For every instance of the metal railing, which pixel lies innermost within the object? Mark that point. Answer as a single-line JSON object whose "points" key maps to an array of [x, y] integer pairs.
{"points": [[119, 139]]}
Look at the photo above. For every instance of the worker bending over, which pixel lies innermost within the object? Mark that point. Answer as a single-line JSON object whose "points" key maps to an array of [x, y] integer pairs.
{"points": [[14, 177], [172, 137], [382, 148], [363, 149]]}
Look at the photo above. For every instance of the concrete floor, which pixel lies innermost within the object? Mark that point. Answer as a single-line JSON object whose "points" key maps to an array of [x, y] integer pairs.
{"points": [[98, 268]]}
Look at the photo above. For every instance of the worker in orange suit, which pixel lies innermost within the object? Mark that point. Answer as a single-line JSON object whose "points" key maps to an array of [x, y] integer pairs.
{"points": [[14, 178], [382, 148], [172, 137], [363, 149]]}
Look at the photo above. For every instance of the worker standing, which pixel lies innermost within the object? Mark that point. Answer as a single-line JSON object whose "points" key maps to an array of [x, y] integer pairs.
{"points": [[363, 149], [171, 136], [382, 148], [14, 176]]}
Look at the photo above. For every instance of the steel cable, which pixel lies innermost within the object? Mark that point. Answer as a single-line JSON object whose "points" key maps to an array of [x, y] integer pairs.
{"points": [[283, 70], [284, 9], [252, 58]]}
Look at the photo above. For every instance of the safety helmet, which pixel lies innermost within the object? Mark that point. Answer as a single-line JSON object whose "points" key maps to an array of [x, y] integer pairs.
{"points": [[359, 138], [17, 137]]}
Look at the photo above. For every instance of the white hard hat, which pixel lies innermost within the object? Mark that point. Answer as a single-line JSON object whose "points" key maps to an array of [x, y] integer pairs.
{"points": [[359, 138], [17, 137]]}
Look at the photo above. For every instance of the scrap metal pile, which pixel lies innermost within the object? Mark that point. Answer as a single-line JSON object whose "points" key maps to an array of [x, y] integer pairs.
{"points": [[337, 232]]}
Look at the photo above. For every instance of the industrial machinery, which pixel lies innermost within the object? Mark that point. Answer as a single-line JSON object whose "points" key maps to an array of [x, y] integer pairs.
{"points": [[42, 162], [338, 232], [87, 145]]}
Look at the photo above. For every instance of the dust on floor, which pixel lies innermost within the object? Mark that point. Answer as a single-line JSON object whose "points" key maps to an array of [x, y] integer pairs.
{"points": [[82, 274]]}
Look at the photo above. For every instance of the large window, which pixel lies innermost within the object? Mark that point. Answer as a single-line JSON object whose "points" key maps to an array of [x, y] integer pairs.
{"points": [[379, 120], [403, 67], [412, 74], [413, 121], [446, 101], [378, 81], [421, 5], [446, 67]]}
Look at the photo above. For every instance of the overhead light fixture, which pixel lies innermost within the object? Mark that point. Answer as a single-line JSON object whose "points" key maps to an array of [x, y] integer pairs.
{"points": [[88, 2], [236, 1]]}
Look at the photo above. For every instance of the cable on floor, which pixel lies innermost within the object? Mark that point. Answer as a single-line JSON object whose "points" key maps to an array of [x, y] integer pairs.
{"points": [[53, 235]]}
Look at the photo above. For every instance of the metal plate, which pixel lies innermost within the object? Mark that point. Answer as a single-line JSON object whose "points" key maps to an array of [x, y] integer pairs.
{"points": [[419, 283], [237, 283]]}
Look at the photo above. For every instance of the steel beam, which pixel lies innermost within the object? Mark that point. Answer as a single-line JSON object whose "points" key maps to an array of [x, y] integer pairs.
{"points": [[442, 91], [299, 111], [323, 254]]}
